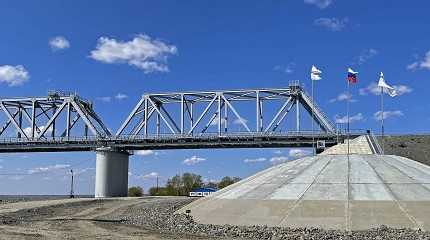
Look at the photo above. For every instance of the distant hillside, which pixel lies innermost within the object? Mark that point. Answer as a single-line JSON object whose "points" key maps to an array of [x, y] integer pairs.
{"points": [[415, 147]]}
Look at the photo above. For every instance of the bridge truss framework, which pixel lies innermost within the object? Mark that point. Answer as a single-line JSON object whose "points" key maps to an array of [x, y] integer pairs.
{"points": [[169, 121], [160, 121]]}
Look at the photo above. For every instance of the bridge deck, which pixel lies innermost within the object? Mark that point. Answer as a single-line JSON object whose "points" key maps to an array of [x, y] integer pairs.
{"points": [[248, 140]]}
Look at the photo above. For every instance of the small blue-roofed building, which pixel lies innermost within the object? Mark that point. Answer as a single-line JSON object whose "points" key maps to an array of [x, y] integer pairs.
{"points": [[202, 192]]}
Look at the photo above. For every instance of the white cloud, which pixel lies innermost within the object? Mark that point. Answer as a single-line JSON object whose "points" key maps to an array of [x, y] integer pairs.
{"points": [[387, 114], [152, 175], [238, 122], [13, 75], [59, 43], [255, 160], [84, 170], [375, 90], [278, 160], [278, 152], [402, 89], [285, 69], [343, 97], [365, 56], [320, 3], [354, 118], [423, 64], [333, 24], [27, 131], [413, 66], [144, 152], [298, 153], [104, 99], [48, 168], [121, 96], [143, 52], [193, 160], [215, 121]]}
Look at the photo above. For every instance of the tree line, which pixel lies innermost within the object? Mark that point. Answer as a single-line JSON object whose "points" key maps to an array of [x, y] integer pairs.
{"points": [[182, 185]]}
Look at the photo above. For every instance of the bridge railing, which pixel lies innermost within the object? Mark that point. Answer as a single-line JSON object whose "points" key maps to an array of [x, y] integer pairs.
{"points": [[206, 135], [235, 134]]}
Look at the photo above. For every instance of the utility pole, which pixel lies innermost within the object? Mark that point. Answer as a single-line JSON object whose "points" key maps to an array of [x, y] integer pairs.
{"points": [[72, 194], [157, 184]]}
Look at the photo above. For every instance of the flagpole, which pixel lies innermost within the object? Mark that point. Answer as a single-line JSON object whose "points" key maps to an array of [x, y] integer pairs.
{"points": [[313, 134], [382, 118], [347, 116]]}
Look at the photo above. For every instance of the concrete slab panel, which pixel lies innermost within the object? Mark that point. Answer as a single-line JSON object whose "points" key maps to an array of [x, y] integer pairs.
{"points": [[414, 172], [309, 175], [410, 192], [335, 172], [420, 211], [327, 192], [290, 191], [369, 192], [386, 172], [361, 172], [243, 212], [371, 214], [322, 214]]}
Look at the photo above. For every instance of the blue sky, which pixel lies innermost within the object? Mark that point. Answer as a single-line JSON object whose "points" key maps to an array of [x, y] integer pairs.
{"points": [[112, 52]]}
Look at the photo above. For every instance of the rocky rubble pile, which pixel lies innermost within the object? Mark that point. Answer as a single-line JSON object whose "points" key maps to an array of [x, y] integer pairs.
{"points": [[159, 215]]}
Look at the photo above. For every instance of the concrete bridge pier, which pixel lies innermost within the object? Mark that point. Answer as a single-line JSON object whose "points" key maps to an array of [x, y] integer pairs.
{"points": [[111, 173]]}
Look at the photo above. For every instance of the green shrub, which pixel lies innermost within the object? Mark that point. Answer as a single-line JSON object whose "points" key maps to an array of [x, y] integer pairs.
{"points": [[135, 192]]}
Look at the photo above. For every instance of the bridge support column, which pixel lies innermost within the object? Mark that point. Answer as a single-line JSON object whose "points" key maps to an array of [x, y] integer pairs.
{"points": [[111, 173]]}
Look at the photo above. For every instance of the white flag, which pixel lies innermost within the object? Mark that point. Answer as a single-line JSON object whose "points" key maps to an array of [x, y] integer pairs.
{"points": [[382, 84], [352, 71], [315, 73]]}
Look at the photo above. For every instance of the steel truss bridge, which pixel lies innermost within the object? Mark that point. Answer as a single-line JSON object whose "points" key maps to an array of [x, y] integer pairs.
{"points": [[187, 120], [214, 119]]}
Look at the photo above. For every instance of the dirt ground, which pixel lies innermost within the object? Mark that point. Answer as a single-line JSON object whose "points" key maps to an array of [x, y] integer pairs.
{"points": [[75, 219], [415, 147]]}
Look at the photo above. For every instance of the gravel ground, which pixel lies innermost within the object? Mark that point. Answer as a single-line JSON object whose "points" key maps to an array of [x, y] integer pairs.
{"points": [[154, 218], [4, 199], [158, 215]]}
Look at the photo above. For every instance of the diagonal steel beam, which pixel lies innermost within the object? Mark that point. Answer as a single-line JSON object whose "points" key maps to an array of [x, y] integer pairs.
{"points": [[52, 120], [44, 111], [237, 114], [161, 115], [283, 116], [170, 118], [94, 115], [142, 123], [12, 119], [203, 114], [132, 114], [6, 125], [84, 117], [74, 121], [214, 116], [29, 118], [278, 114]]}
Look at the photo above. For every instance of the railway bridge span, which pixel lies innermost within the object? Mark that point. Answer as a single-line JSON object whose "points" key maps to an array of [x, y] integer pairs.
{"points": [[256, 118]]}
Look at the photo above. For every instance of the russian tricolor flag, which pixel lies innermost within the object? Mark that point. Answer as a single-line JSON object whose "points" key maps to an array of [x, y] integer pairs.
{"points": [[352, 76]]}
